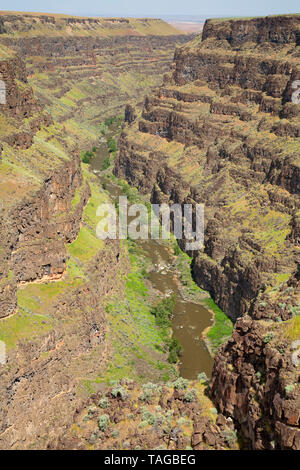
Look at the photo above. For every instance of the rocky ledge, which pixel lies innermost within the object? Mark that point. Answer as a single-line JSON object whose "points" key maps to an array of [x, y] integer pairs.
{"points": [[223, 130]]}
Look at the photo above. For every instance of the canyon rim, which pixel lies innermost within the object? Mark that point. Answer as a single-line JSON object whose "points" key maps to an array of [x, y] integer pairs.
{"points": [[93, 109]]}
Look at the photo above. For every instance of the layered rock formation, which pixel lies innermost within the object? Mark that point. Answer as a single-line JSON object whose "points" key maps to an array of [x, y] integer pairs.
{"points": [[54, 332], [224, 130], [59, 77], [162, 417], [85, 69], [33, 194]]}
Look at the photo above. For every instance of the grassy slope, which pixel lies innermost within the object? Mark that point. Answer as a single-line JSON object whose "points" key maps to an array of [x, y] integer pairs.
{"points": [[35, 299], [85, 26]]}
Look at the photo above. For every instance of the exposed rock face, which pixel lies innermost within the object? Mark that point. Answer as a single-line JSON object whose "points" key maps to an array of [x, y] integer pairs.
{"points": [[55, 332], [276, 30], [40, 390], [32, 239], [214, 130], [87, 69], [223, 130], [130, 115], [168, 419]]}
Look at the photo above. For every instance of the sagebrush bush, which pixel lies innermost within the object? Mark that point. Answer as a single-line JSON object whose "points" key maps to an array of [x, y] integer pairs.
{"points": [[119, 391], [202, 377], [190, 396], [103, 422], [181, 383], [104, 403]]}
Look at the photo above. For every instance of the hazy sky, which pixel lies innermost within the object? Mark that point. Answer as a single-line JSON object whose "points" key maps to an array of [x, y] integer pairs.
{"points": [[156, 7]]}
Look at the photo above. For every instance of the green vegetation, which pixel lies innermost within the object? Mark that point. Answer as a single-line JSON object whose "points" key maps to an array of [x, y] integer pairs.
{"points": [[86, 157], [291, 328], [103, 422], [87, 244], [202, 378], [112, 145], [289, 388], [222, 329], [104, 403], [35, 315], [268, 337], [117, 120], [181, 383], [105, 164], [139, 348], [175, 350], [162, 312], [223, 326], [177, 249], [24, 325]]}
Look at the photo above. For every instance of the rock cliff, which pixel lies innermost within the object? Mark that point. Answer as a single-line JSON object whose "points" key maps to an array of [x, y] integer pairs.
{"points": [[87, 69], [223, 130], [59, 77]]}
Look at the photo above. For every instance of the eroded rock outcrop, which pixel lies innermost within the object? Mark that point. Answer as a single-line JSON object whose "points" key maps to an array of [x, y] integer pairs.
{"points": [[88, 69], [129, 416], [32, 236], [52, 304], [223, 131]]}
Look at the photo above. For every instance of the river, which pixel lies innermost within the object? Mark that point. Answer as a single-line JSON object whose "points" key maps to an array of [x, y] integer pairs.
{"points": [[190, 319]]}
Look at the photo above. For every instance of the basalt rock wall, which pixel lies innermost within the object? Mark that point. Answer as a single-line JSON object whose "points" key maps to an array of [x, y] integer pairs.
{"points": [[33, 227], [223, 130], [53, 320], [87, 69], [226, 148]]}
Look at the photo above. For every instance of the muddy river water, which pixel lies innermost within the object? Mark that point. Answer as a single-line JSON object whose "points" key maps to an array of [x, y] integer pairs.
{"points": [[190, 319]]}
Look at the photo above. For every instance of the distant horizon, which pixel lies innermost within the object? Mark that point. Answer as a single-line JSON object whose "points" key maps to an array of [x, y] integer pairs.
{"points": [[182, 16], [155, 9]]}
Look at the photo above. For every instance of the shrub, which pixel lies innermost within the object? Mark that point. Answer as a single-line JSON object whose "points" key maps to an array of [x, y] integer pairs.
{"points": [[105, 164], [103, 128], [230, 436], [92, 409], [268, 337], [163, 311], [119, 391], [109, 121], [202, 378], [190, 396], [112, 145], [181, 383], [103, 422], [176, 249], [289, 388], [86, 157], [175, 350], [104, 403], [93, 438]]}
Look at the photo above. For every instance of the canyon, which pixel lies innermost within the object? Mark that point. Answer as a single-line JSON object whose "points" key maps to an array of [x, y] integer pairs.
{"points": [[221, 129]]}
